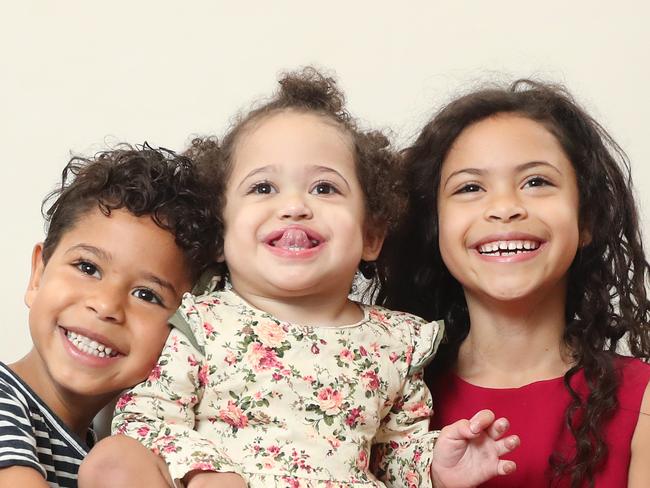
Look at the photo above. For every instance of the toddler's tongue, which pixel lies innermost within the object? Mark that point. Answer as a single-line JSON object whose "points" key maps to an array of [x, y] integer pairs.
{"points": [[294, 238]]}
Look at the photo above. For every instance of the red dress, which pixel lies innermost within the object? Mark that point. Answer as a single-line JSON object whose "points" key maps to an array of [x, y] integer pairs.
{"points": [[536, 415]]}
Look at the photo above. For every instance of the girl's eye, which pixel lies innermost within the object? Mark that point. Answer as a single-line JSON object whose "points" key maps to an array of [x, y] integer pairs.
{"points": [[147, 295], [262, 188], [324, 188], [469, 188], [88, 268], [536, 181]]}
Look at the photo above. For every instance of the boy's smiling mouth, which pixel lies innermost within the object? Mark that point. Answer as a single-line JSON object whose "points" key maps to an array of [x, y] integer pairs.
{"points": [[507, 247], [90, 346]]}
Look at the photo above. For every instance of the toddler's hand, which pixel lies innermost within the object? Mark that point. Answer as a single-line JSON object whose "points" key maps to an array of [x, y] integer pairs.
{"points": [[468, 452], [210, 479]]}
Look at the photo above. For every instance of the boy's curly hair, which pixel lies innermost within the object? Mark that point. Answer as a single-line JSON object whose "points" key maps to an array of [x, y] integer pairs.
{"points": [[607, 303], [310, 91], [143, 180]]}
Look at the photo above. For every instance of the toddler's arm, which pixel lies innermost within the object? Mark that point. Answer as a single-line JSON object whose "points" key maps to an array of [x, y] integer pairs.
{"points": [[468, 452], [160, 412]]}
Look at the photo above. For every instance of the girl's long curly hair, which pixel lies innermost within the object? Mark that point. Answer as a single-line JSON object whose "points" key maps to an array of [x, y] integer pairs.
{"points": [[607, 304]]}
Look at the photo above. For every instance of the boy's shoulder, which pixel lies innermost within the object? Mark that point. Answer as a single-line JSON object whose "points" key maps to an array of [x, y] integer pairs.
{"points": [[25, 423]]}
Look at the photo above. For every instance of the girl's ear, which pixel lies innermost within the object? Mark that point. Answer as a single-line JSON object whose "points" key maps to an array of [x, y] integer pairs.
{"points": [[585, 237], [373, 239], [35, 277]]}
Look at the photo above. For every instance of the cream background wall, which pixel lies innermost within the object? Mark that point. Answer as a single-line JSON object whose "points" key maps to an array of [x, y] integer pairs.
{"points": [[76, 74]]}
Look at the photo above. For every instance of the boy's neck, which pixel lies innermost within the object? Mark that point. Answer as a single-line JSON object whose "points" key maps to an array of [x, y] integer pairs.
{"points": [[515, 343], [310, 309], [74, 410]]}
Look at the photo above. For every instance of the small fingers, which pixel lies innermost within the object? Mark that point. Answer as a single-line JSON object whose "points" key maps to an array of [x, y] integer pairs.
{"points": [[506, 467], [481, 421], [507, 444], [498, 428]]}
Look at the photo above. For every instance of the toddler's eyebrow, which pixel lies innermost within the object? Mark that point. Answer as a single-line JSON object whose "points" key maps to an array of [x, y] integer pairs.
{"points": [[327, 169], [261, 169]]}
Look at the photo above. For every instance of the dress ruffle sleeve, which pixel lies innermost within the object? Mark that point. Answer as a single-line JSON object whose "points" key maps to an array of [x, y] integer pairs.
{"points": [[403, 446]]}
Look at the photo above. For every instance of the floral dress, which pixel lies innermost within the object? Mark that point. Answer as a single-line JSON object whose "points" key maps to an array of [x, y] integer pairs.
{"points": [[286, 405]]}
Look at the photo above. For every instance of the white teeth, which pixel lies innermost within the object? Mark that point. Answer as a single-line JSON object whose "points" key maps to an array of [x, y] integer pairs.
{"points": [[505, 248], [89, 346]]}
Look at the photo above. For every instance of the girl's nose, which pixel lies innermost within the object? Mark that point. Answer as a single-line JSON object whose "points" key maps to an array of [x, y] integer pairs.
{"points": [[295, 207], [505, 208], [107, 302]]}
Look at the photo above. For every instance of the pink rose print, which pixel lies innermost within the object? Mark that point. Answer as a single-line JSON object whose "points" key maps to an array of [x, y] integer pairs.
{"points": [[362, 460], [155, 373], [230, 358], [208, 329], [191, 360], [330, 400], [233, 415], [393, 357], [261, 358], [354, 417], [203, 375], [271, 334], [201, 466], [124, 401], [143, 431], [370, 380], [346, 355], [417, 410]]}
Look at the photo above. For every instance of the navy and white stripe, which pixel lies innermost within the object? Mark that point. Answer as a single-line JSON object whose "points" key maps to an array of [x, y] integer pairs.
{"points": [[32, 435]]}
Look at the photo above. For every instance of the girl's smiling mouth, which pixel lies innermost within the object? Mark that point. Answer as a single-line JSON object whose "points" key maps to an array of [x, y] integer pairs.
{"points": [[507, 247]]}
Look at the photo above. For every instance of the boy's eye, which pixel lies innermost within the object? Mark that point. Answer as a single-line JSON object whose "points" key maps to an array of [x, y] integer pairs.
{"points": [[324, 188], [88, 268], [262, 188], [147, 295]]}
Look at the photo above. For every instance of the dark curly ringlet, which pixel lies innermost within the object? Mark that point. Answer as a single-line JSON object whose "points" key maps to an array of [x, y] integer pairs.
{"points": [[143, 180], [607, 304], [310, 91]]}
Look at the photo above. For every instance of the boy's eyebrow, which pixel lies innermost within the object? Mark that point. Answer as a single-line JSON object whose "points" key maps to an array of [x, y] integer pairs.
{"points": [[519, 168], [106, 256]]}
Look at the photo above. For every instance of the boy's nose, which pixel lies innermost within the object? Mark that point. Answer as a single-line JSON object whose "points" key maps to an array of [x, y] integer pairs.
{"points": [[295, 207], [107, 303]]}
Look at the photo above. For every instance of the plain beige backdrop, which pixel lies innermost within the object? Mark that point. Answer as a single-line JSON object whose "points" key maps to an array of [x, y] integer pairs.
{"points": [[76, 75]]}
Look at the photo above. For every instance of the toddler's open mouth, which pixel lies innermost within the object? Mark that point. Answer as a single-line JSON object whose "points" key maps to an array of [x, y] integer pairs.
{"points": [[293, 239]]}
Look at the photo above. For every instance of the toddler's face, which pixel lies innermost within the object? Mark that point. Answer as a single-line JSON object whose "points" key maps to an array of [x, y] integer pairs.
{"points": [[508, 210], [295, 210], [99, 308]]}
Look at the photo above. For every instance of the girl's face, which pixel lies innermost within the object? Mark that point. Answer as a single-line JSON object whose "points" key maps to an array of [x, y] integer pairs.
{"points": [[508, 210], [294, 213]]}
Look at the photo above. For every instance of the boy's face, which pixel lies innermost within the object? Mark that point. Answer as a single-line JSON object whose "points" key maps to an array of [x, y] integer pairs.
{"points": [[99, 308]]}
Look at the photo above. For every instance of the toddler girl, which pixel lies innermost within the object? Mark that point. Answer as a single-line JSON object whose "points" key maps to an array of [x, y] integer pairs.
{"points": [[523, 236], [295, 384]]}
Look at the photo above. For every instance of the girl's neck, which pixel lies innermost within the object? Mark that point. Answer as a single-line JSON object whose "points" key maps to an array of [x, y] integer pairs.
{"points": [[511, 344], [310, 309], [75, 411]]}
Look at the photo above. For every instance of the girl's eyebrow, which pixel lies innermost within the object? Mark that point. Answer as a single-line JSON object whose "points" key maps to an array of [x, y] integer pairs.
{"points": [[519, 168]]}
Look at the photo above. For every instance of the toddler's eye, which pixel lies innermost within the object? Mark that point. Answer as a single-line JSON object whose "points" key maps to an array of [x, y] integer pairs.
{"points": [[324, 188], [147, 295], [88, 268], [262, 188]]}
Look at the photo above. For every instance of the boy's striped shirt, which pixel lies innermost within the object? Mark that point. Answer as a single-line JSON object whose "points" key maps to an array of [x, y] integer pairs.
{"points": [[32, 435]]}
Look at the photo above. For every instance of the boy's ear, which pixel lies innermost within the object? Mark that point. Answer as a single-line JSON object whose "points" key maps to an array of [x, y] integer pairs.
{"points": [[372, 242], [37, 273]]}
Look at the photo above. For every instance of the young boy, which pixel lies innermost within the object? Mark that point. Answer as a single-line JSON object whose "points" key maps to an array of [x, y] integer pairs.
{"points": [[129, 231]]}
